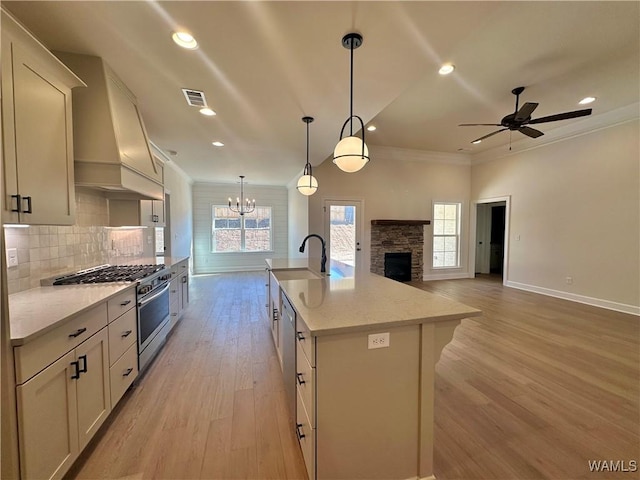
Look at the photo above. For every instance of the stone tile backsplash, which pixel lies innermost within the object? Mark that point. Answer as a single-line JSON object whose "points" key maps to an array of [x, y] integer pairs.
{"points": [[46, 251]]}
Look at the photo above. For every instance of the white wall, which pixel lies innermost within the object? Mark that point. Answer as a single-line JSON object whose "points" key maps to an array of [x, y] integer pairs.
{"points": [[179, 186], [298, 219], [397, 184], [575, 205], [204, 196]]}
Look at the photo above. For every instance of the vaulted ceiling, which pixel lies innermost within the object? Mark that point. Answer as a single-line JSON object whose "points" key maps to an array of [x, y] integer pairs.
{"points": [[263, 65]]}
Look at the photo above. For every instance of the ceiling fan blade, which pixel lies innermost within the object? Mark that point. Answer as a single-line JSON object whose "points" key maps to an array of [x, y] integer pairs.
{"points": [[487, 136], [530, 132], [562, 116], [525, 112], [479, 125]]}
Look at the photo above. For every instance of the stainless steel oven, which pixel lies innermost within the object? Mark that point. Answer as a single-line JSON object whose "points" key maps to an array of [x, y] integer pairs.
{"points": [[153, 316]]}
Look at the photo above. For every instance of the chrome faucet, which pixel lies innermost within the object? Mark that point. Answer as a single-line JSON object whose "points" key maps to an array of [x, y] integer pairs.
{"points": [[323, 263]]}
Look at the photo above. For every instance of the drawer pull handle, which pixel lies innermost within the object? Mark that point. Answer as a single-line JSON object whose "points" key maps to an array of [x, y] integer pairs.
{"points": [[125, 303], [82, 369], [299, 433], [300, 336], [127, 333], [127, 372], [299, 378], [174, 314], [76, 374], [77, 333]]}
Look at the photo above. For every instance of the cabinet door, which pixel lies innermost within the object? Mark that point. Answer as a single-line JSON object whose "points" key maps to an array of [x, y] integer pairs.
{"points": [[48, 421], [152, 213], [131, 136], [93, 392], [43, 148]]}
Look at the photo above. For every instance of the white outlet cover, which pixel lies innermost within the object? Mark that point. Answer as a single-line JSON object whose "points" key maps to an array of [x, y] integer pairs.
{"points": [[12, 257], [378, 340]]}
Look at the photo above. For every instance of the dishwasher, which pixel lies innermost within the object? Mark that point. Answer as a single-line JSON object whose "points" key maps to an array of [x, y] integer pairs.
{"points": [[288, 324]]}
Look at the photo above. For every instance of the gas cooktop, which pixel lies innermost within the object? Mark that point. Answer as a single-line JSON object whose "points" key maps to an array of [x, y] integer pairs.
{"points": [[109, 273]]}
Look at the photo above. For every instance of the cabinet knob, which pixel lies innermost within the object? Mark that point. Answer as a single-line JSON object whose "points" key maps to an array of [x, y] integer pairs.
{"points": [[300, 379], [299, 433], [126, 334], [125, 303], [300, 336], [127, 372]]}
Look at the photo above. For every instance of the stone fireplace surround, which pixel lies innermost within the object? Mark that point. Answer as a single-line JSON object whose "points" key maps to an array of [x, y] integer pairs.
{"points": [[392, 236]]}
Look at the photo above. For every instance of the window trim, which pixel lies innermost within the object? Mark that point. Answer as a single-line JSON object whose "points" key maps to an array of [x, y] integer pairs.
{"points": [[242, 233], [458, 235]]}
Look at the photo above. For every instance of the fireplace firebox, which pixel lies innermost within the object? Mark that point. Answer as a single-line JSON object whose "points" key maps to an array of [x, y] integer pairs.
{"points": [[397, 266]]}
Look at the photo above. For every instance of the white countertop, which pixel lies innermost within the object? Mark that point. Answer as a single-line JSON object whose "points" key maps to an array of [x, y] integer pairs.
{"points": [[288, 263], [367, 302], [36, 311]]}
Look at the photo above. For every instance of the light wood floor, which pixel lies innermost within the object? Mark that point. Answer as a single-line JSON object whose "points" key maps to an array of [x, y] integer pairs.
{"points": [[533, 389]]}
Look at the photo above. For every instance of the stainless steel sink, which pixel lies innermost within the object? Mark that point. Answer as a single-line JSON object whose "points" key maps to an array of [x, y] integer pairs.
{"points": [[302, 274]]}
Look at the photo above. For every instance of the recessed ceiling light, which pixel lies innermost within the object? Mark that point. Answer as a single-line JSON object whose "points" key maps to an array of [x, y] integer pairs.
{"points": [[446, 69], [218, 144], [587, 100], [207, 111], [371, 128], [477, 142], [185, 40]]}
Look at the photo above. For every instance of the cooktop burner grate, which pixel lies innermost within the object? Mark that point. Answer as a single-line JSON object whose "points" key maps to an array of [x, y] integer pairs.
{"points": [[110, 273]]}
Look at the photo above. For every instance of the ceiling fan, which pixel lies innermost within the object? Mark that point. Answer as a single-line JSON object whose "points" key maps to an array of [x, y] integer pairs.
{"points": [[519, 119]]}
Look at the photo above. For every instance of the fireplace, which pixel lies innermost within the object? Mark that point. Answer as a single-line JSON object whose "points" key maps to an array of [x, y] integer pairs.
{"points": [[397, 266], [398, 237]]}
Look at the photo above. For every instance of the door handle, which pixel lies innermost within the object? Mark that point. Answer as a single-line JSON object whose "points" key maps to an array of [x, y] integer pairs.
{"points": [[18, 203], [28, 209], [76, 374], [78, 332]]}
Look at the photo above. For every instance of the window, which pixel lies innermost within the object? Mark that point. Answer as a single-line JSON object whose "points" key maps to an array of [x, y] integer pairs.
{"points": [[446, 235], [232, 232]]}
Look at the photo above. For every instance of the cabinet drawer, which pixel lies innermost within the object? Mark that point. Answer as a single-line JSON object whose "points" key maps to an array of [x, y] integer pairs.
{"points": [[306, 384], [121, 303], [174, 285], [307, 439], [122, 334], [306, 341], [32, 357], [123, 373]]}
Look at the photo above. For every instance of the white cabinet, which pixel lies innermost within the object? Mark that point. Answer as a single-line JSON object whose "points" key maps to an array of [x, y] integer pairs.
{"points": [[37, 131], [62, 407], [145, 213], [152, 213], [68, 381], [123, 341]]}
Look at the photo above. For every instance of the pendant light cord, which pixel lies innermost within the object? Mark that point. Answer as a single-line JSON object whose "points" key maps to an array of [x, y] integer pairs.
{"points": [[351, 89]]}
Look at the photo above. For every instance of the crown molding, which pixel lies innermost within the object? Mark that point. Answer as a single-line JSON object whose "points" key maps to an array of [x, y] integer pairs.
{"points": [[166, 160], [575, 129], [410, 155]]}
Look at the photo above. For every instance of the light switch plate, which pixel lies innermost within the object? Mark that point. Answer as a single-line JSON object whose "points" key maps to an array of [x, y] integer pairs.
{"points": [[378, 340], [12, 257]]}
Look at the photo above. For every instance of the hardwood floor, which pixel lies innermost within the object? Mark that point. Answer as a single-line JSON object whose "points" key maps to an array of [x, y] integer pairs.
{"points": [[533, 389]]}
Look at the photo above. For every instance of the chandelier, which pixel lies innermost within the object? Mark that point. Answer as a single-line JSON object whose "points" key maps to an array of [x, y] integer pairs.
{"points": [[307, 183], [242, 206], [351, 153]]}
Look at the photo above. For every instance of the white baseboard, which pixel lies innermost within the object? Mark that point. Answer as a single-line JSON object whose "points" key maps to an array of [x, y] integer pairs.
{"points": [[574, 297], [446, 276]]}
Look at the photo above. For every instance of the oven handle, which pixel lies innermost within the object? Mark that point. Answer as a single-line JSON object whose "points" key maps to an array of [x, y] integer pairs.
{"points": [[150, 299]]}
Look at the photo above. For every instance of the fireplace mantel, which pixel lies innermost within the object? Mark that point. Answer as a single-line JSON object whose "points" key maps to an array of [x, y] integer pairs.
{"points": [[401, 222]]}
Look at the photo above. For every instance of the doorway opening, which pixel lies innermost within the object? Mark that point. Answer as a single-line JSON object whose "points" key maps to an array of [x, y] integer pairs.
{"points": [[491, 237], [343, 220]]}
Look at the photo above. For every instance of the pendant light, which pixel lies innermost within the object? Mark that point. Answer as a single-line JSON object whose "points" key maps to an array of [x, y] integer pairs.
{"points": [[351, 153], [307, 184], [243, 205]]}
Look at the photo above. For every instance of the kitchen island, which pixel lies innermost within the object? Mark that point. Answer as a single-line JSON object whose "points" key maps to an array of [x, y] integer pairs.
{"points": [[358, 358]]}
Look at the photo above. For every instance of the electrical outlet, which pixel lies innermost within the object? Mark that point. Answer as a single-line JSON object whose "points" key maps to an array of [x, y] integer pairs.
{"points": [[12, 257], [378, 340], [569, 280]]}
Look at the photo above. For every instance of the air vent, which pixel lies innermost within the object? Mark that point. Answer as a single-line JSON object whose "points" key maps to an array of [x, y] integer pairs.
{"points": [[194, 97]]}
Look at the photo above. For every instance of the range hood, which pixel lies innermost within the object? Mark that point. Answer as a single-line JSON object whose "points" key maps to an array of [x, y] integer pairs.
{"points": [[111, 147]]}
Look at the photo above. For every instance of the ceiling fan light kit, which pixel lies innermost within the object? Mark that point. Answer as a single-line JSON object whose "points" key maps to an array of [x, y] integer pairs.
{"points": [[307, 183], [351, 152], [520, 118]]}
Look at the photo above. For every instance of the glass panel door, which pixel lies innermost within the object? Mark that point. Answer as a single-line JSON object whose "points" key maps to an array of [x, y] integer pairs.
{"points": [[343, 228]]}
